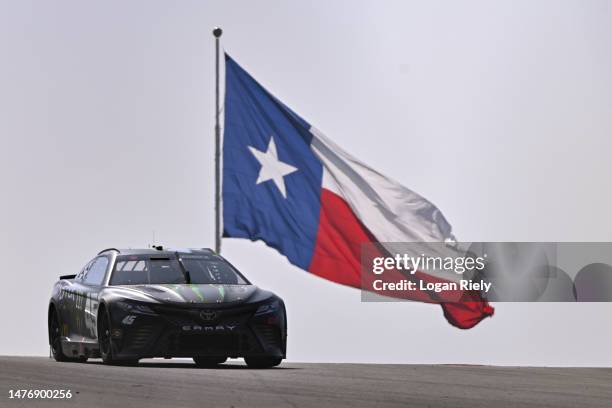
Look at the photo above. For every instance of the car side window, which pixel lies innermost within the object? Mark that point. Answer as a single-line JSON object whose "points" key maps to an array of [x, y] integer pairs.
{"points": [[97, 271]]}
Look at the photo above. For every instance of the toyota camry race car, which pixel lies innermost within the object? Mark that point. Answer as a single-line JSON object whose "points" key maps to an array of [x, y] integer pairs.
{"points": [[129, 304]]}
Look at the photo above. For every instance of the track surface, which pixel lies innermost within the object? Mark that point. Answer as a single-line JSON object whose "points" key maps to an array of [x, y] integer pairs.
{"points": [[171, 383]]}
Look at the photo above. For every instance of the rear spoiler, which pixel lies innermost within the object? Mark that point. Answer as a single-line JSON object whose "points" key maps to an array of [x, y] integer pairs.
{"points": [[67, 277]]}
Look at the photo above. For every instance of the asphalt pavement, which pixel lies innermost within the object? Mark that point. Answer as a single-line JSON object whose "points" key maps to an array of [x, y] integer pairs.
{"points": [[178, 383]]}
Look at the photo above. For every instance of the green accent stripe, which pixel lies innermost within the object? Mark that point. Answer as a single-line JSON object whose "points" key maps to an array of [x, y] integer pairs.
{"points": [[197, 291]]}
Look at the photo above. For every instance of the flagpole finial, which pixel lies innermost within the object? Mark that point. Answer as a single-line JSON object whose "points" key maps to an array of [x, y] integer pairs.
{"points": [[217, 31]]}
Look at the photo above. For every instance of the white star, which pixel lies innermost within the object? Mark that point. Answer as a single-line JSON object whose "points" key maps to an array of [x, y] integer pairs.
{"points": [[272, 168]]}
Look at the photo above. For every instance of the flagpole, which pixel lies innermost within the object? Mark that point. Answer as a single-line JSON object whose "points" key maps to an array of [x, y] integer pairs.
{"points": [[217, 31]]}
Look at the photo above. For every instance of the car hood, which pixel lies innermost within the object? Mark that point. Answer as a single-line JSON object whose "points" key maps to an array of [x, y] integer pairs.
{"points": [[198, 294]]}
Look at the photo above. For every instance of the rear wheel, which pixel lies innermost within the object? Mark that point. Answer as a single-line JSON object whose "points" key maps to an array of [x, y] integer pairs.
{"points": [[262, 362], [55, 340], [209, 361]]}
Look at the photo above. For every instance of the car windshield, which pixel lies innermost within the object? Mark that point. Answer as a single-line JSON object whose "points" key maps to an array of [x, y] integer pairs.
{"points": [[202, 269]]}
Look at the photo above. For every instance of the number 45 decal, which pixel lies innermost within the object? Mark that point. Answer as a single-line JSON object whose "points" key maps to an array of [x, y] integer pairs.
{"points": [[128, 320]]}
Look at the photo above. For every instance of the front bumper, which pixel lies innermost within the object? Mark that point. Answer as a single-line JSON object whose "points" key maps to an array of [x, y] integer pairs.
{"points": [[178, 331]]}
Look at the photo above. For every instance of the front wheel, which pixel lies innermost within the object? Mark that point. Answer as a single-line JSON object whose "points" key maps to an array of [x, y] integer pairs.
{"points": [[262, 362], [105, 341]]}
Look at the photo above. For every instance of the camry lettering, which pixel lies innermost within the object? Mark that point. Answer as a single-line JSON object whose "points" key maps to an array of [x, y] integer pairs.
{"points": [[218, 328]]}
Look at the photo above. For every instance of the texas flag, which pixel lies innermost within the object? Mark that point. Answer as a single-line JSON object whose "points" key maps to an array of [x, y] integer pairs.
{"points": [[288, 185]]}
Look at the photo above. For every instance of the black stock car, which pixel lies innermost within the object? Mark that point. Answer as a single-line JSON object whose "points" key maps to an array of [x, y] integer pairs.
{"points": [[130, 304]]}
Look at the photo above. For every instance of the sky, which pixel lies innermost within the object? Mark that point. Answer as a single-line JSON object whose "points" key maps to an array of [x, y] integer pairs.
{"points": [[500, 113]]}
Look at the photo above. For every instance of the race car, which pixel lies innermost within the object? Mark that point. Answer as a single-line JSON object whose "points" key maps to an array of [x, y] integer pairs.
{"points": [[129, 304]]}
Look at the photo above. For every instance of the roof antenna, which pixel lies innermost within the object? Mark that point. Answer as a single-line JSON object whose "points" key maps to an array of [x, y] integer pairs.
{"points": [[152, 245], [156, 247]]}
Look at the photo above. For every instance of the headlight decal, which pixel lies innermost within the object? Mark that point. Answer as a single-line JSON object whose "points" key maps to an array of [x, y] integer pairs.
{"points": [[134, 307], [271, 307]]}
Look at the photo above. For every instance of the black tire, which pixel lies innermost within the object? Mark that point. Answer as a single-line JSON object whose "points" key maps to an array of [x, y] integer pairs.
{"points": [[105, 341], [209, 362], [262, 362], [55, 340]]}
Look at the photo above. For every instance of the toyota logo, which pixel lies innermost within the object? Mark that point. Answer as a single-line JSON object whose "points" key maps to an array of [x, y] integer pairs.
{"points": [[208, 315]]}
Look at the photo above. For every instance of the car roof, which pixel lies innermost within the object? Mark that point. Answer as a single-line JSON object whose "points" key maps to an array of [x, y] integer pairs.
{"points": [[160, 251]]}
